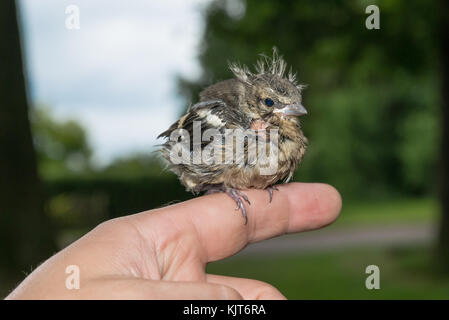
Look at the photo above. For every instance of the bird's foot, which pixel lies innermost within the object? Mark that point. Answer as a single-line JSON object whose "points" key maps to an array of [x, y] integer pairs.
{"points": [[235, 194], [270, 190]]}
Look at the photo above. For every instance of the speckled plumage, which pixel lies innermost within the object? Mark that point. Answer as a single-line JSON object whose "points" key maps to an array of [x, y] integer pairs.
{"points": [[241, 103]]}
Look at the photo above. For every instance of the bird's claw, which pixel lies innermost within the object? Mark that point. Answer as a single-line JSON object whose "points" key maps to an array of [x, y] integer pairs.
{"points": [[237, 196], [270, 190]]}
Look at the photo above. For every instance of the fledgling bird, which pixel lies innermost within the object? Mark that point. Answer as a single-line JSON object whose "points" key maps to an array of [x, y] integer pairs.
{"points": [[266, 99]]}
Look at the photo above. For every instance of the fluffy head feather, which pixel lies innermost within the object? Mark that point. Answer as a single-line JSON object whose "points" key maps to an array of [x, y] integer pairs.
{"points": [[274, 65]]}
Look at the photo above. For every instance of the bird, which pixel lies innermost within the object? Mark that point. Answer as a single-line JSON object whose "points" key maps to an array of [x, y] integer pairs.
{"points": [[266, 105]]}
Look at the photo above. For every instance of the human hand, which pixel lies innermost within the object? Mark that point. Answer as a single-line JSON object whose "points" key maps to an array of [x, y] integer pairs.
{"points": [[163, 253]]}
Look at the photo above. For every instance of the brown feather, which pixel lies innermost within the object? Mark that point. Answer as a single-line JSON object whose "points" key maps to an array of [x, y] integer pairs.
{"points": [[239, 103]]}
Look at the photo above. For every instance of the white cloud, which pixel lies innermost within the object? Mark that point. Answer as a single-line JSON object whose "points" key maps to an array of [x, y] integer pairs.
{"points": [[117, 73], [120, 131]]}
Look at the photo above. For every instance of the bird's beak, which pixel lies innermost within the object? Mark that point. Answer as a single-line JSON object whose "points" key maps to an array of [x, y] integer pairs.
{"points": [[294, 109]]}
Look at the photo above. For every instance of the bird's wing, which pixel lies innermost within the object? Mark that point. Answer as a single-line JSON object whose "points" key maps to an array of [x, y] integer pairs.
{"points": [[212, 114]]}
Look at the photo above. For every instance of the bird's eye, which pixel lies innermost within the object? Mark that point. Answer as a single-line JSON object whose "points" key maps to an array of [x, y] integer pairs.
{"points": [[268, 102]]}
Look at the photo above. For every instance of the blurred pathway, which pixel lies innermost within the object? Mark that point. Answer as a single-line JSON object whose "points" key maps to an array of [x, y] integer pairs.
{"points": [[331, 238]]}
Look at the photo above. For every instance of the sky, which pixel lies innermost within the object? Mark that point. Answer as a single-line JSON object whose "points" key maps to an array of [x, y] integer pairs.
{"points": [[116, 74]]}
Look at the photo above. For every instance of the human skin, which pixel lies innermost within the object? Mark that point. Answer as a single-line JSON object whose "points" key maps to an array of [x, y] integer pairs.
{"points": [[163, 253]]}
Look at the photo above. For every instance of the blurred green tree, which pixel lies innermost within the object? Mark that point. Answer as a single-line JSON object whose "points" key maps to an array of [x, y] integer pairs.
{"points": [[25, 233], [372, 94], [444, 176], [137, 165], [62, 146]]}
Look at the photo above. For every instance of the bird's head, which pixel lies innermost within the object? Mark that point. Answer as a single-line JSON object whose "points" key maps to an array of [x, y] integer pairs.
{"points": [[270, 92]]}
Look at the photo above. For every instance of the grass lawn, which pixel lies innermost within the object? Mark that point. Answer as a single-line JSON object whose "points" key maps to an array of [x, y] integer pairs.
{"points": [[340, 274], [404, 274], [419, 210]]}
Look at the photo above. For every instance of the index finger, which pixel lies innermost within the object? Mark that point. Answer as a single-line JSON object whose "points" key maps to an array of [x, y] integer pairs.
{"points": [[221, 229]]}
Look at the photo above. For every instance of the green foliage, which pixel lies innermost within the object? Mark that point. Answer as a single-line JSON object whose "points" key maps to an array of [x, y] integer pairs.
{"points": [[340, 274], [136, 165], [72, 199], [61, 146], [372, 95], [417, 211]]}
